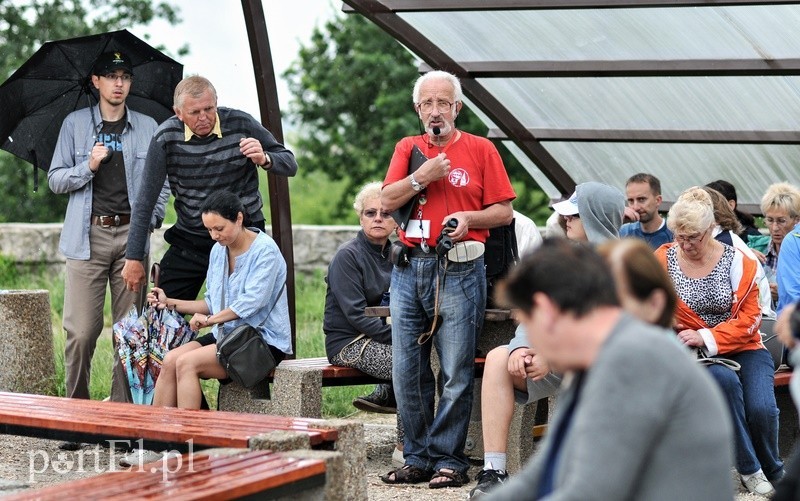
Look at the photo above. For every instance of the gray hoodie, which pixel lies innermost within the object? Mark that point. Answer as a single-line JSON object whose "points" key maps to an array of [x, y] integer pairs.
{"points": [[601, 208]]}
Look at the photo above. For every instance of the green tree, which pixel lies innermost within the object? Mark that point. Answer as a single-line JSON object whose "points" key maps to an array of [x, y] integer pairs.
{"points": [[24, 26], [351, 89]]}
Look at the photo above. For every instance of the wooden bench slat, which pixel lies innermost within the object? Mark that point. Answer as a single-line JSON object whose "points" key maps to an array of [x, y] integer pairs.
{"points": [[160, 424], [490, 315], [198, 477]]}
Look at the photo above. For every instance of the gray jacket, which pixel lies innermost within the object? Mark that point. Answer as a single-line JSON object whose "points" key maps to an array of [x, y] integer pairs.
{"points": [[650, 424], [69, 173]]}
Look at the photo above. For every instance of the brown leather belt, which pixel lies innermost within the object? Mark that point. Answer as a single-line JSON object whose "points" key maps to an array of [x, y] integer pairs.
{"points": [[107, 221]]}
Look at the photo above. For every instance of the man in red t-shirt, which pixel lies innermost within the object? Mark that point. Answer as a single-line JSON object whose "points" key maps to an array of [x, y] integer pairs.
{"points": [[463, 182]]}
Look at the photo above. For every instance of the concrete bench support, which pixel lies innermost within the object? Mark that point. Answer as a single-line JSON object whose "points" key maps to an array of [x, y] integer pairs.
{"points": [[26, 342]]}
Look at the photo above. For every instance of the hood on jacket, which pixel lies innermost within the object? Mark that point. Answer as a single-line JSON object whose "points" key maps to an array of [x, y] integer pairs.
{"points": [[600, 207]]}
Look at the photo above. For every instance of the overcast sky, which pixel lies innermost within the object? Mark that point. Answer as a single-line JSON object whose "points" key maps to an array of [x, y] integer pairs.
{"points": [[215, 31]]}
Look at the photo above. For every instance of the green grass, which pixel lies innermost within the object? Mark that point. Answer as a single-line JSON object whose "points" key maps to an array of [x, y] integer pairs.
{"points": [[310, 299]]}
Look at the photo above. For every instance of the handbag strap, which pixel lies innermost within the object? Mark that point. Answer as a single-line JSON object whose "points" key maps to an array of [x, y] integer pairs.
{"points": [[224, 297]]}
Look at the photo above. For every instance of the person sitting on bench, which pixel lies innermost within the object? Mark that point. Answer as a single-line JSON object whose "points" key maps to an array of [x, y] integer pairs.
{"points": [[359, 276], [515, 372], [637, 417]]}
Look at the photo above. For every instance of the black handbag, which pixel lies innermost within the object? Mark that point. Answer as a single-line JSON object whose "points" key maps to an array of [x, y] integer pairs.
{"points": [[243, 353], [245, 356]]}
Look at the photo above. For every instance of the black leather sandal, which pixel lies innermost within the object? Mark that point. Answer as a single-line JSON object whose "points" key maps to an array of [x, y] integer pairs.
{"points": [[408, 474], [454, 479]]}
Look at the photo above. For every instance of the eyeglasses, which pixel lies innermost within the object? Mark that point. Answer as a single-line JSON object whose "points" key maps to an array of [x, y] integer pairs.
{"points": [[114, 77], [442, 106], [781, 221], [371, 213], [694, 239], [570, 218]]}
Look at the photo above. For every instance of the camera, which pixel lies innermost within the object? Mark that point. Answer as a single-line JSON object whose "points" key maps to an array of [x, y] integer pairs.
{"points": [[398, 254], [444, 243]]}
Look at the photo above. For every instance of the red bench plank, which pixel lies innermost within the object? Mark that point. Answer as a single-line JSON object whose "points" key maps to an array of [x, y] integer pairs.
{"points": [[782, 377], [196, 477], [335, 372], [162, 424], [490, 315]]}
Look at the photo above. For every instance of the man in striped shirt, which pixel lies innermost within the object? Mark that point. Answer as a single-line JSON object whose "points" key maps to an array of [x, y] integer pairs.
{"points": [[200, 150]]}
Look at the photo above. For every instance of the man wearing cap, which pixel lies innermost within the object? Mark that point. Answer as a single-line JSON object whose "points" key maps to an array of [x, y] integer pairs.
{"points": [[203, 148], [98, 161]]}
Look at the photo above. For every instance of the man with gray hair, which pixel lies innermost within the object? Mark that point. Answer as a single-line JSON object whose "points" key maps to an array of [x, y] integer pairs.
{"points": [[439, 292], [201, 149]]}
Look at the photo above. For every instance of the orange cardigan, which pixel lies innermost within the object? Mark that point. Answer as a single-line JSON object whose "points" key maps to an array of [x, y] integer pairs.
{"points": [[740, 332]]}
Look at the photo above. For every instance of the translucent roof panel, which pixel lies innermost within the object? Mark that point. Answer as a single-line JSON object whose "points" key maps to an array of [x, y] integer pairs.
{"points": [[582, 94], [751, 168], [716, 103], [658, 33]]}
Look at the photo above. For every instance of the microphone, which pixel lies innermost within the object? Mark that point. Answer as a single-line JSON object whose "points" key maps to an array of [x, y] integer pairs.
{"points": [[436, 131]]}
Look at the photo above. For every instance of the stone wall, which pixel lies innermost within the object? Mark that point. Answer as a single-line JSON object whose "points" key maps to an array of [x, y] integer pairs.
{"points": [[29, 244]]}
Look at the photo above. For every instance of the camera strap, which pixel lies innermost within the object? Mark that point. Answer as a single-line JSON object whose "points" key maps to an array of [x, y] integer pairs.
{"points": [[425, 336]]}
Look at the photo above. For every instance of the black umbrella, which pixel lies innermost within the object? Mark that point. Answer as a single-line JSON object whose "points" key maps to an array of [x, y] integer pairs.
{"points": [[56, 80]]}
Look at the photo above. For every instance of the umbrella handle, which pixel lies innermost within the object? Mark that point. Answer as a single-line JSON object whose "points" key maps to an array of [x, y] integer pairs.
{"points": [[155, 274]]}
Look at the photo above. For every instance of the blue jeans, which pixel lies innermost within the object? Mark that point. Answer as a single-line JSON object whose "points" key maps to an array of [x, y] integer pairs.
{"points": [[436, 440], [751, 399]]}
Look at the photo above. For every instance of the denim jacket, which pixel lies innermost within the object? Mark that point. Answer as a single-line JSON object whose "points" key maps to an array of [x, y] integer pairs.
{"points": [[69, 173]]}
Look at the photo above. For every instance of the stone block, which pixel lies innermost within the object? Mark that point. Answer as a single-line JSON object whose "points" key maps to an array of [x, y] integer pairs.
{"points": [[351, 480], [295, 391], [26, 342]]}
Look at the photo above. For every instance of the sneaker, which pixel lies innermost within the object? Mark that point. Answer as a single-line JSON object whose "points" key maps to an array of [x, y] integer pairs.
{"points": [[487, 480], [398, 460], [758, 484], [381, 400]]}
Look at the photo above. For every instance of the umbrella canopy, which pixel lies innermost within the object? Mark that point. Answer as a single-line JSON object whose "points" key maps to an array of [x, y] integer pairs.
{"points": [[143, 341], [56, 80]]}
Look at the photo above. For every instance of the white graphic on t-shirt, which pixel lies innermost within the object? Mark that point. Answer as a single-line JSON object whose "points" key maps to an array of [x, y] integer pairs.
{"points": [[458, 178]]}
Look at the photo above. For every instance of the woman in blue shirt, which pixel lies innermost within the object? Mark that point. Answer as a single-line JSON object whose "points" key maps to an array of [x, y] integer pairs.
{"points": [[245, 284]]}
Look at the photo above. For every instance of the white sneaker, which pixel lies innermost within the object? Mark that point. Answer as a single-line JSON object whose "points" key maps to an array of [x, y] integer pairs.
{"points": [[140, 457], [757, 483], [398, 461]]}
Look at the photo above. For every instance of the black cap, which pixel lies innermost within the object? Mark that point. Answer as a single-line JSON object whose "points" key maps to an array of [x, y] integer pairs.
{"points": [[108, 62]]}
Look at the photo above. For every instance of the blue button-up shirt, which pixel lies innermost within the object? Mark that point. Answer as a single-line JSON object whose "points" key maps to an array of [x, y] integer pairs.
{"points": [[69, 172], [255, 291]]}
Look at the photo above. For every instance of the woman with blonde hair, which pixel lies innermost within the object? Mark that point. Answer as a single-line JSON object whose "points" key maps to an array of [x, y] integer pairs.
{"points": [[781, 208], [719, 313]]}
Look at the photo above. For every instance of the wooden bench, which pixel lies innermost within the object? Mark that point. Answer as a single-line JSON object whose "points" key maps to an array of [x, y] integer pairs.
{"points": [[159, 428], [261, 474], [184, 430]]}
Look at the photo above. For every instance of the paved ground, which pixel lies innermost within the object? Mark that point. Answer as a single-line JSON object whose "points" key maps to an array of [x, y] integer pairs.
{"points": [[27, 463]]}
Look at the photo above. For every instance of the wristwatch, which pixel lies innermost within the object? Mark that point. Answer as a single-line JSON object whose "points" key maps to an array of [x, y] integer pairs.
{"points": [[415, 185]]}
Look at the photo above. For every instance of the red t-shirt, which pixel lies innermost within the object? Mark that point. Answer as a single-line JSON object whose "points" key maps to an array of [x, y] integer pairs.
{"points": [[477, 180]]}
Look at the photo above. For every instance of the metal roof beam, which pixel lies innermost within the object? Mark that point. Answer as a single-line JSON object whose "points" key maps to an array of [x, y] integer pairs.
{"points": [[626, 68], [403, 32], [505, 5], [659, 136]]}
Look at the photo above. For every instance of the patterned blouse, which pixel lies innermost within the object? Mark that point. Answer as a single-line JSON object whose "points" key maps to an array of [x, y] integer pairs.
{"points": [[711, 297]]}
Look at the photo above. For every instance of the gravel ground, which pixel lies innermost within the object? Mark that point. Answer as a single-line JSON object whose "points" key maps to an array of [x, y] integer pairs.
{"points": [[27, 463]]}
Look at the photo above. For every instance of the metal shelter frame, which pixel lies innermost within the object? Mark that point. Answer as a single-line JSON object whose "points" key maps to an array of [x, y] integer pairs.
{"points": [[396, 17]]}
